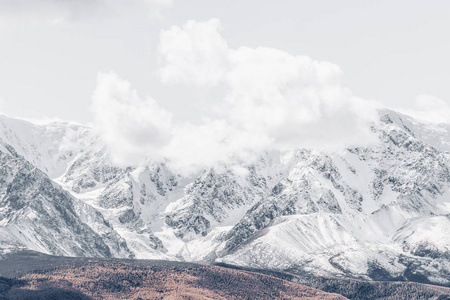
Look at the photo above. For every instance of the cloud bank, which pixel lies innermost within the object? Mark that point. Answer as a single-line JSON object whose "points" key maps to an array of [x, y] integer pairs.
{"points": [[429, 108], [132, 128], [272, 100], [194, 54]]}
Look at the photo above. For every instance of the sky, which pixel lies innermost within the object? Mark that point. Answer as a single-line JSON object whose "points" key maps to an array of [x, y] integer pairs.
{"points": [[249, 73], [52, 50]]}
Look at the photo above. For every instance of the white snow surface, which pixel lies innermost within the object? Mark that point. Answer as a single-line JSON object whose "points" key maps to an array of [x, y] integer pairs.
{"points": [[341, 213]]}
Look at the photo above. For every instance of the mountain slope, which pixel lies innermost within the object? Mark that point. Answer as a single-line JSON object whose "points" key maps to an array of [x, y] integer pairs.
{"points": [[75, 278], [37, 214], [356, 213], [379, 211]]}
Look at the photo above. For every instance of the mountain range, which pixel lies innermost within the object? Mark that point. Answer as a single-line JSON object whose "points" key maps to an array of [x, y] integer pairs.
{"points": [[378, 211]]}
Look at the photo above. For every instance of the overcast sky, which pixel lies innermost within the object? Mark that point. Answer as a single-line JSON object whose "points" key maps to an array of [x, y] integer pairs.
{"points": [[216, 78], [51, 50]]}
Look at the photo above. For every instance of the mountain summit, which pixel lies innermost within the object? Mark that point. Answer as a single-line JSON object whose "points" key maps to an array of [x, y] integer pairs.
{"points": [[379, 211]]}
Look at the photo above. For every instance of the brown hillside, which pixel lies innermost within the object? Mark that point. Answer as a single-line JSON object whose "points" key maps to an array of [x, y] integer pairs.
{"points": [[124, 280]]}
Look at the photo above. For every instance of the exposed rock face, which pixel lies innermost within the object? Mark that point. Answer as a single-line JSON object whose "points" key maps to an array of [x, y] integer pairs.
{"points": [[212, 199], [386, 205], [40, 215], [375, 211]]}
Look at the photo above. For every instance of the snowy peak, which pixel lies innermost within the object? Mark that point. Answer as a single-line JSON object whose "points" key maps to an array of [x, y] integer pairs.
{"points": [[368, 210], [50, 147], [40, 215], [434, 135]]}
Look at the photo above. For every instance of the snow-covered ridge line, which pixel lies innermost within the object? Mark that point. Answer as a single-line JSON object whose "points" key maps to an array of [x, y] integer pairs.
{"points": [[365, 211]]}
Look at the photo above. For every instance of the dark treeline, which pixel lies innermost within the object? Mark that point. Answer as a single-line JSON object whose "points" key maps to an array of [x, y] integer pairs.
{"points": [[385, 290], [88, 278], [115, 279], [359, 289]]}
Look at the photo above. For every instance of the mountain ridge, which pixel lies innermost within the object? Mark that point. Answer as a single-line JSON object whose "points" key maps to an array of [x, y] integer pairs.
{"points": [[381, 208]]}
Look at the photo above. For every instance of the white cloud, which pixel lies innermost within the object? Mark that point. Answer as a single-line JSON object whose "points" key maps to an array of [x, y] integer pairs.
{"points": [[292, 99], [273, 100], [194, 54], [131, 127], [135, 129], [429, 108], [211, 144], [296, 101]]}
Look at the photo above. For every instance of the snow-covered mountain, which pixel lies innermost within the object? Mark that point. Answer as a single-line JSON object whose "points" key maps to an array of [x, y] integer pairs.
{"points": [[380, 211]]}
